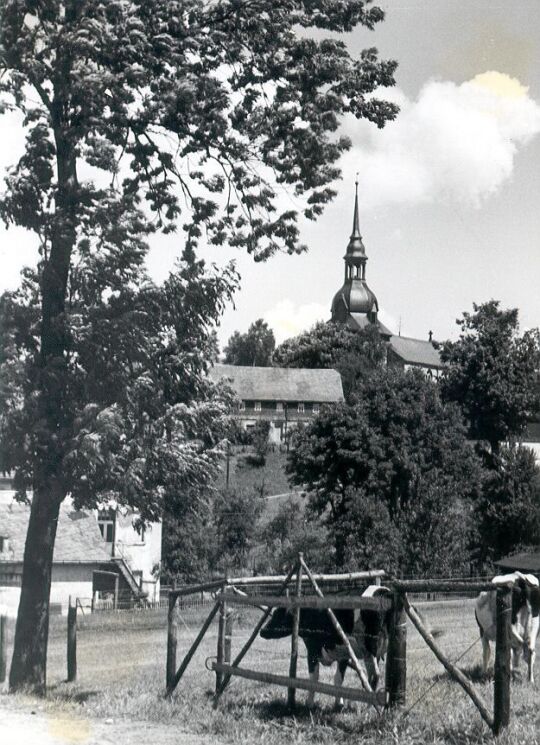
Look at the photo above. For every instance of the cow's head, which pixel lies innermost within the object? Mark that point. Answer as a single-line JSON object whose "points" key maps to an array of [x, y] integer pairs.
{"points": [[521, 594], [278, 625]]}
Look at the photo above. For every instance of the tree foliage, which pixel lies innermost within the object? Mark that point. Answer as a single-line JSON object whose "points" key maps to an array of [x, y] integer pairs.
{"points": [[145, 116], [289, 532], [355, 353], [508, 515], [397, 446], [255, 347], [492, 373]]}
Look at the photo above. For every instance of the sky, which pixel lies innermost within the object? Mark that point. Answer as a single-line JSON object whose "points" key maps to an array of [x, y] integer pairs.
{"points": [[449, 193]]}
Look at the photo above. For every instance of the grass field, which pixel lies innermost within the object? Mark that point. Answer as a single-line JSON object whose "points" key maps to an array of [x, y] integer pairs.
{"points": [[121, 668]]}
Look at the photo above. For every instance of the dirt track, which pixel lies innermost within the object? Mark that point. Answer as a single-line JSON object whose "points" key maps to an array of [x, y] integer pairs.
{"points": [[21, 725]]}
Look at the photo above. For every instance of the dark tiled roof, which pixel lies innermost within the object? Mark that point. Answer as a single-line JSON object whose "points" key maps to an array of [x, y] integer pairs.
{"points": [[521, 563], [78, 538], [532, 432], [416, 351], [281, 383], [361, 321]]}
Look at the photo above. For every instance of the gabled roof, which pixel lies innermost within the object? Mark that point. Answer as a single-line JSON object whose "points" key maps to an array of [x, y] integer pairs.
{"points": [[416, 351], [521, 562], [531, 432], [361, 321], [78, 538], [281, 383]]}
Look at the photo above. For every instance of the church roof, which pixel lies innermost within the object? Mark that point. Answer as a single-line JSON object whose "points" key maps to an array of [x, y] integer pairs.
{"points": [[281, 383], [416, 351], [361, 321], [78, 537]]}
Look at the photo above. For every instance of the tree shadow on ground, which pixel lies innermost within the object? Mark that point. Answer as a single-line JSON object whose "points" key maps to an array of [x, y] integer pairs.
{"points": [[474, 673], [62, 692]]}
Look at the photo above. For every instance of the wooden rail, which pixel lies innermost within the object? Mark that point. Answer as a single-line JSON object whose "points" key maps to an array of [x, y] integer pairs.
{"points": [[375, 574], [329, 601], [434, 585], [354, 694]]}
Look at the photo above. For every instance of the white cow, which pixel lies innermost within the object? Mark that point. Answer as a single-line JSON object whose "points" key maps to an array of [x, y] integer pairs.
{"points": [[525, 618]]}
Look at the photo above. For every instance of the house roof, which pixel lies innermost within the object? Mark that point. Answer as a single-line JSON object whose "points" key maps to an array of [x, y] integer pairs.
{"points": [[531, 432], [281, 383], [521, 562], [78, 538], [416, 351]]}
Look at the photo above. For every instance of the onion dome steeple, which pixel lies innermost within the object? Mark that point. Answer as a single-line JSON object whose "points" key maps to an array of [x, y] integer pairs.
{"points": [[355, 296]]}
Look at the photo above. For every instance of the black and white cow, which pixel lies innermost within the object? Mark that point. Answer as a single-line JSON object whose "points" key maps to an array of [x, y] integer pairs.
{"points": [[525, 619], [367, 631]]}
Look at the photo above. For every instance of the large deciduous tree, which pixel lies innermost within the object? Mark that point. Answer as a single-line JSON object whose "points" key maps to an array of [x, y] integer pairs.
{"points": [[492, 373], [255, 347], [142, 116], [355, 353], [397, 446]]}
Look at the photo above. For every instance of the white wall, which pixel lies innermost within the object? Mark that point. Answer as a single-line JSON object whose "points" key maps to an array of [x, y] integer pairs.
{"points": [[142, 553], [73, 580]]}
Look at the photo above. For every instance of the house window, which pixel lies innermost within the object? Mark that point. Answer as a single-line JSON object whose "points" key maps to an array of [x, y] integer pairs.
{"points": [[257, 406], [107, 530], [316, 408], [279, 406], [242, 406], [301, 407]]}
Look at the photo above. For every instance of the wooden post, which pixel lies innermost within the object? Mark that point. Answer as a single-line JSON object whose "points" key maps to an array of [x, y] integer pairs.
{"points": [[3, 648], [503, 652], [396, 659], [221, 638], [172, 639], [115, 601], [71, 642], [229, 623], [291, 693]]}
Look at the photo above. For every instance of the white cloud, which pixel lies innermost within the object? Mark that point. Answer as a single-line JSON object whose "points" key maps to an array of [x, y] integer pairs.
{"points": [[286, 319], [455, 143]]}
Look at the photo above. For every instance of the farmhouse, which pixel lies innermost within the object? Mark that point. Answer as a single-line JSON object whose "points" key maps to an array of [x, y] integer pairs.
{"points": [[96, 556], [283, 396], [356, 305]]}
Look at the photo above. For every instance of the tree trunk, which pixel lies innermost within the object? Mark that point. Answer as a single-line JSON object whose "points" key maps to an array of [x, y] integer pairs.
{"points": [[29, 663], [54, 430]]}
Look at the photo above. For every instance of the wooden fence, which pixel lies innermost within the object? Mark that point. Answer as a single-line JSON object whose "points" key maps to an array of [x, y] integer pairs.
{"points": [[394, 693]]}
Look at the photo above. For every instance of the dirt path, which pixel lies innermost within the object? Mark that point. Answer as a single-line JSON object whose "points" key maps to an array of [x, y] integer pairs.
{"points": [[22, 725]]}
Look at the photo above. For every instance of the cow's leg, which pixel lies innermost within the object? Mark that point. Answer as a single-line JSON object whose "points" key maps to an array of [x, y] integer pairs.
{"points": [[314, 677], [486, 654], [372, 668], [531, 647], [338, 681], [313, 668]]}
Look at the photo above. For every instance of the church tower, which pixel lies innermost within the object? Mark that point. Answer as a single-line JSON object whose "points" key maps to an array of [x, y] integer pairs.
{"points": [[355, 303]]}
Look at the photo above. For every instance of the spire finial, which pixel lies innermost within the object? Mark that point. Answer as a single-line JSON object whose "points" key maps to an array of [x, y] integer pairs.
{"points": [[356, 220]]}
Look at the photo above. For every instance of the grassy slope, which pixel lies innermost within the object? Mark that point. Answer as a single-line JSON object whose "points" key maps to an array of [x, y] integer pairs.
{"points": [[270, 478], [122, 675]]}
